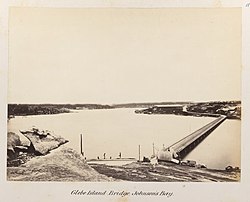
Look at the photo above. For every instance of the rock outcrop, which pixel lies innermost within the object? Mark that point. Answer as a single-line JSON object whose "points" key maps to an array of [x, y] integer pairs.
{"points": [[43, 141], [38, 143], [63, 164]]}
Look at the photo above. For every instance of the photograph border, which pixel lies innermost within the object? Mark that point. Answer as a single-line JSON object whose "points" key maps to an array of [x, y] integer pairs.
{"points": [[55, 191]]}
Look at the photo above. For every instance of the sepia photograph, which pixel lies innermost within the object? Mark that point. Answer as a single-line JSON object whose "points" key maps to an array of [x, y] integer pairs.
{"points": [[124, 95]]}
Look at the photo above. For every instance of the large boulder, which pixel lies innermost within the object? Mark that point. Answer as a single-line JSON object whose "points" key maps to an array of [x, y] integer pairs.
{"points": [[43, 141]]}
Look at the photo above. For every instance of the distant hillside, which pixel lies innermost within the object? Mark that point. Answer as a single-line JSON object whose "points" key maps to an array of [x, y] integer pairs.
{"points": [[231, 109], [36, 109], [147, 104]]}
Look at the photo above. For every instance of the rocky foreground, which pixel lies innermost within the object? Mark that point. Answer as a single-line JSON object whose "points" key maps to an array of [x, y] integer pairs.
{"points": [[37, 155], [26, 144], [63, 164]]}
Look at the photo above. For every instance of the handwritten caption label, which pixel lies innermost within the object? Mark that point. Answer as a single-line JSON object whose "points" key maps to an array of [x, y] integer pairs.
{"points": [[162, 193]]}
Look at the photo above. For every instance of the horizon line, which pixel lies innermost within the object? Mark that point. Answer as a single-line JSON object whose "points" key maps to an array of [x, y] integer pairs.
{"points": [[147, 102]]}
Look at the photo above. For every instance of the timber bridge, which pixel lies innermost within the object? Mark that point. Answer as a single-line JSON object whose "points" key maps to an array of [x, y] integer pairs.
{"points": [[182, 147]]}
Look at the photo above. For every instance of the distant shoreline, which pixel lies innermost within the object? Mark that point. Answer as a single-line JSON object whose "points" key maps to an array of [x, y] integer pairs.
{"points": [[232, 109]]}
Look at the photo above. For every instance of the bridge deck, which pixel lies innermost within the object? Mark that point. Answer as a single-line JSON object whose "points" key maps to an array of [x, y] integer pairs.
{"points": [[189, 142]]}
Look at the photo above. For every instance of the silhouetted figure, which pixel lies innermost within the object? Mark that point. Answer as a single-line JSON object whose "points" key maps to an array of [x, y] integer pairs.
{"points": [[120, 155], [98, 157], [104, 155], [110, 157]]}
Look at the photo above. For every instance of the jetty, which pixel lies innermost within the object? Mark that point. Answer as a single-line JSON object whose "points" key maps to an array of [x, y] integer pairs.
{"points": [[181, 148]]}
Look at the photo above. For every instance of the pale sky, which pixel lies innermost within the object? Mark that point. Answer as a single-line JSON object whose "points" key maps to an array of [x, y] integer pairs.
{"points": [[124, 55]]}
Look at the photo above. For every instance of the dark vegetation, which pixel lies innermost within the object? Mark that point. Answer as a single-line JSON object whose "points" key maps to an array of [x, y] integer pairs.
{"points": [[36, 109], [27, 109]]}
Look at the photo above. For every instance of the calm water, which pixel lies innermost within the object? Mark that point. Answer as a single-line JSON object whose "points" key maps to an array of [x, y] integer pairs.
{"points": [[121, 130]]}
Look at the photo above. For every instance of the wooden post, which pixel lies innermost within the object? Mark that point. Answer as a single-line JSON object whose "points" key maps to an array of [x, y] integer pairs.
{"points": [[81, 144], [153, 150], [139, 153]]}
